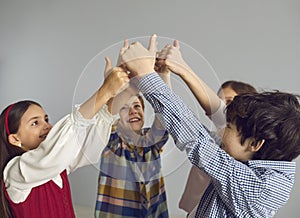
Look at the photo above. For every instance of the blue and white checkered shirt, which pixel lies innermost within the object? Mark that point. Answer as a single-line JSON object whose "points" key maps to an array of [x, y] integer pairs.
{"points": [[257, 188]]}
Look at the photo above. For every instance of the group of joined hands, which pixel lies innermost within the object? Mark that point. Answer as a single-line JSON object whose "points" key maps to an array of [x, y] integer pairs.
{"points": [[136, 61]]}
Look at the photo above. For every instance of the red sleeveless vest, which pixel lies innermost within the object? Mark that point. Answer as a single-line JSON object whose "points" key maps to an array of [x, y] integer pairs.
{"points": [[45, 201]]}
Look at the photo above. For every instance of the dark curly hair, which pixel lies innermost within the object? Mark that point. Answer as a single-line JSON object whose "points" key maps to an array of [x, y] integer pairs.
{"points": [[270, 116]]}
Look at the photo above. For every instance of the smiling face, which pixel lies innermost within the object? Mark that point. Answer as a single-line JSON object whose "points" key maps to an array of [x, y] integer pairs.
{"points": [[132, 114], [34, 127]]}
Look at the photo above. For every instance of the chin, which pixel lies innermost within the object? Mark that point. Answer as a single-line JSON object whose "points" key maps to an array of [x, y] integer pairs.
{"points": [[136, 128]]}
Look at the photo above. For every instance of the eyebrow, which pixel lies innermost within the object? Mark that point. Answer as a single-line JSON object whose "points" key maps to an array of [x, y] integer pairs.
{"points": [[37, 117]]}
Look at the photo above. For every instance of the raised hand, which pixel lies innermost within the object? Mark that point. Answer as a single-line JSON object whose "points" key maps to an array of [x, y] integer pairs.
{"points": [[138, 59], [206, 97], [170, 56], [160, 65], [116, 79], [120, 62]]}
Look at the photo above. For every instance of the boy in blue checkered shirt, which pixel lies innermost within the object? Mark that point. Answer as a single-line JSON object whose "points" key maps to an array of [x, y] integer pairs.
{"points": [[251, 171]]}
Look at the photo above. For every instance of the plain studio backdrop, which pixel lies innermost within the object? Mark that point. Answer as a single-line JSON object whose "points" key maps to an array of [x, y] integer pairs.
{"points": [[53, 52]]}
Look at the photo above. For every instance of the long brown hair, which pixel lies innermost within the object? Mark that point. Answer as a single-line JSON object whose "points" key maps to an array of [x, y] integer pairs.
{"points": [[8, 151], [238, 86]]}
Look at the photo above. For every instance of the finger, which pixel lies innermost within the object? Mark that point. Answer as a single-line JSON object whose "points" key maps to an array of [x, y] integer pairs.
{"points": [[118, 69], [157, 54], [108, 66], [164, 52], [126, 44], [176, 43], [152, 43], [124, 48], [123, 67], [160, 62], [108, 63]]}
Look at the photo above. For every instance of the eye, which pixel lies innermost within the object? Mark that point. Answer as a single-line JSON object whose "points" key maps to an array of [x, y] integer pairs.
{"points": [[47, 119], [124, 109], [228, 125], [137, 106], [35, 123]]}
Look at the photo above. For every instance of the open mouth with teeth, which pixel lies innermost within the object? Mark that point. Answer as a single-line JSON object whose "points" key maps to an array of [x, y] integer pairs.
{"points": [[134, 119]]}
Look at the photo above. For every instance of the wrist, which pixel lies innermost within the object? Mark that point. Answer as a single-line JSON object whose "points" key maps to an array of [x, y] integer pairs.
{"points": [[136, 79], [105, 94], [142, 74]]}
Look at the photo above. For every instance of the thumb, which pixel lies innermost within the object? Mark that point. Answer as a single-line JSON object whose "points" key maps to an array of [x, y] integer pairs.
{"points": [[176, 43], [126, 44], [125, 47], [152, 43], [122, 51], [108, 67]]}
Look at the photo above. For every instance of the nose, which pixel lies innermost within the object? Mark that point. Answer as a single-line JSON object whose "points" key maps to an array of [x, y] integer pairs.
{"points": [[132, 110], [47, 125]]}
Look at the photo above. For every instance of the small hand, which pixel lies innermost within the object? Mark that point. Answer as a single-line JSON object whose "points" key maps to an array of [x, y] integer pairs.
{"points": [[120, 62], [173, 59], [138, 59], [160, 65], [116, 79]]}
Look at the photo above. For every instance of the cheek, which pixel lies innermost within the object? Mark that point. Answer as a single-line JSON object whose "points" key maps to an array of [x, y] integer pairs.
{"points": [[227, 140], [142, 115], [123, 117], [142, 118], [31, 141], [225, 137], [226, 143]]}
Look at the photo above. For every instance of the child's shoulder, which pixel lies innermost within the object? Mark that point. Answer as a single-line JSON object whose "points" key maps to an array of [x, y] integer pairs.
{"points": [[271, 167]]}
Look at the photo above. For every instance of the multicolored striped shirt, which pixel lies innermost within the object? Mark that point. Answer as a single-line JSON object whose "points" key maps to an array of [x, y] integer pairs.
{"points": [[130, 181], [256, 188]]}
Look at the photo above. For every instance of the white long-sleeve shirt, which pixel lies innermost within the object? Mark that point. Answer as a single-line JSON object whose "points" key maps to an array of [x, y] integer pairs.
{"points": [[73, 142]]}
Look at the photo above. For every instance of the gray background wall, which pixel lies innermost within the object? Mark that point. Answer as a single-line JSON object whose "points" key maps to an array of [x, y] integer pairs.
{"points": [[45, 45]]}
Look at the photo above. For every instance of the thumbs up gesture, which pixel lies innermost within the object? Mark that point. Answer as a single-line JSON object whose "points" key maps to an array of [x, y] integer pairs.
{"points": [[138, 59], [115, 78]]}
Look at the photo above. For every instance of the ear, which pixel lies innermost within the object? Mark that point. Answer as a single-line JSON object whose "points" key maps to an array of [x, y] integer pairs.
{"points": [[256, 145], [14, 140]]}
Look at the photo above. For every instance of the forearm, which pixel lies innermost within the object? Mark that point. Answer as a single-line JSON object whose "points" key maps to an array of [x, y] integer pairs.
{"points": [[117, 102], [166, 77], [90, 107], [157, 135], [175, 116], [113, 84], [206, 97]]}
